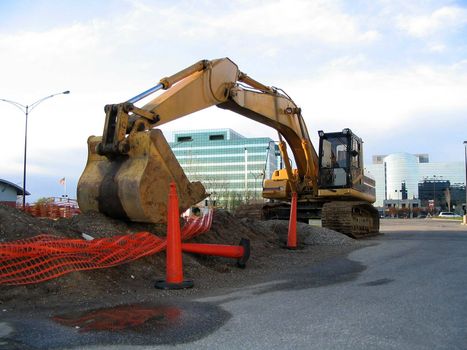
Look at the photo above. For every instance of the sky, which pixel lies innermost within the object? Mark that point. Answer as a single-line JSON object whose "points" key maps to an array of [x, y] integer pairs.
{"points": [[395, 72]]}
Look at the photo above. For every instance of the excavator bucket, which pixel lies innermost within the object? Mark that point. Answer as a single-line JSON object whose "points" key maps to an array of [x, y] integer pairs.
{"points": [[135, 187]]}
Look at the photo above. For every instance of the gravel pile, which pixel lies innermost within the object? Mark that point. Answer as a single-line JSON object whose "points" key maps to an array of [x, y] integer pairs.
{"points": [[323, 236], [307, 235]]}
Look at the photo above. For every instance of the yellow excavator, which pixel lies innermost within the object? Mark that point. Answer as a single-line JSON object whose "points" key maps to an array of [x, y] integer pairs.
{"points": [[130, 166]]}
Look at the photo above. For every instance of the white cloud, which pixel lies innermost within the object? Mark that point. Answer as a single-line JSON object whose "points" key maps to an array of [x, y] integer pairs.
{"points": [[295, 20], [441, 20], [437, 47], [380, 102], [347, 62], [321, 21], [109, 59]]}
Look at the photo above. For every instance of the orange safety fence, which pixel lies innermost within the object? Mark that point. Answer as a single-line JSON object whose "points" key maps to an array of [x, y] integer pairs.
{"points": [[44, 257], [52, 210]]}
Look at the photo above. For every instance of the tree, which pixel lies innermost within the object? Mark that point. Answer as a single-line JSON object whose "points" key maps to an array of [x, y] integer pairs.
{"points": [[44, 200], [447, 197]]}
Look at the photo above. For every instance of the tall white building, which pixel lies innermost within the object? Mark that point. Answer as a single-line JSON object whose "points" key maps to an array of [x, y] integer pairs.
{"points": [[393, 170]]}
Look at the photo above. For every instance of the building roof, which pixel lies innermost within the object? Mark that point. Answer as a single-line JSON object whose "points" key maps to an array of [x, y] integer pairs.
{"points": [[421, 157], [19, 190]]}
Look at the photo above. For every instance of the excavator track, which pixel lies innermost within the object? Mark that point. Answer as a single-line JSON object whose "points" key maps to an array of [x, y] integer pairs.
{"points": [[354, 219]]}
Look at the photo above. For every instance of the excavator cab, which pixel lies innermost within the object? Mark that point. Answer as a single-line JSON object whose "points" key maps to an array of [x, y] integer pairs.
{"points": [[341, 170], [344, 187]]}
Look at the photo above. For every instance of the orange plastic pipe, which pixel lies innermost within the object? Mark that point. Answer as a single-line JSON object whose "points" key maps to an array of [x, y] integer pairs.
{"points": [[226, 251], [240, 252]]}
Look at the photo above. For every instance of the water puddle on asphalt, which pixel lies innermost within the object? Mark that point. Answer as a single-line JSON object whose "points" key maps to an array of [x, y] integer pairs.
{"points": [[122, 317], [325, 273], [378, 282], [135, 324]]}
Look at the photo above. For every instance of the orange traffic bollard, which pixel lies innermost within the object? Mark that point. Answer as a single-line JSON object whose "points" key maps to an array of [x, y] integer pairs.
{"points": [[240, 252], [292, 234], [174, 269]]}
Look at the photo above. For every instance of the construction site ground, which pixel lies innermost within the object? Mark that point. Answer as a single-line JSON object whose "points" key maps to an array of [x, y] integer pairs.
{"points": [[404, 289], [135, 280]]}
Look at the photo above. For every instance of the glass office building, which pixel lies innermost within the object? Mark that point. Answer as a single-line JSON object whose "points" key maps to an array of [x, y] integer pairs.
{"points": [[402, 171], [230, 166]]}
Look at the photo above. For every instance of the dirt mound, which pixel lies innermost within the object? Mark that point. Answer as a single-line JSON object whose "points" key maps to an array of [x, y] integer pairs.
{"points": [[267, 238], [16, 224], [225, 229]]}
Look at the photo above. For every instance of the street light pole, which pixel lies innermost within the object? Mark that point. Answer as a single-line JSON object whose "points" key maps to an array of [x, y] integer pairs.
{"points": [[24, 157], [246, 174], [26, 109], [465, 211], [434, 194]]}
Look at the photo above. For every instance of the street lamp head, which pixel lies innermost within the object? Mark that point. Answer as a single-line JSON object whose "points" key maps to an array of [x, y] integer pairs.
{"points": [[66, 92]]}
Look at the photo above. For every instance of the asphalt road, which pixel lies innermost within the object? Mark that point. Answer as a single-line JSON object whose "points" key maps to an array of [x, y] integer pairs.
{"points": [[406, 290]]}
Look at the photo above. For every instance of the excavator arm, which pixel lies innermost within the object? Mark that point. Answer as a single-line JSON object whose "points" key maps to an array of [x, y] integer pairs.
{"points": [[129, 167]]}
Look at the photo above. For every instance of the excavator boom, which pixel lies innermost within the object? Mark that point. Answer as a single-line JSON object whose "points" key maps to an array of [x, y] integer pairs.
{"points": [[130, 166]]}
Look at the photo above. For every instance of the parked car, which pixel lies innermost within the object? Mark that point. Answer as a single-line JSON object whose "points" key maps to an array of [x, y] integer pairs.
{"points": [[448, 214]]}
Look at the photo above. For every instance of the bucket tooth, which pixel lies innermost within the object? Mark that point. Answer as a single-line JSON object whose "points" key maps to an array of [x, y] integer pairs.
{"points": [[135, 187]]}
